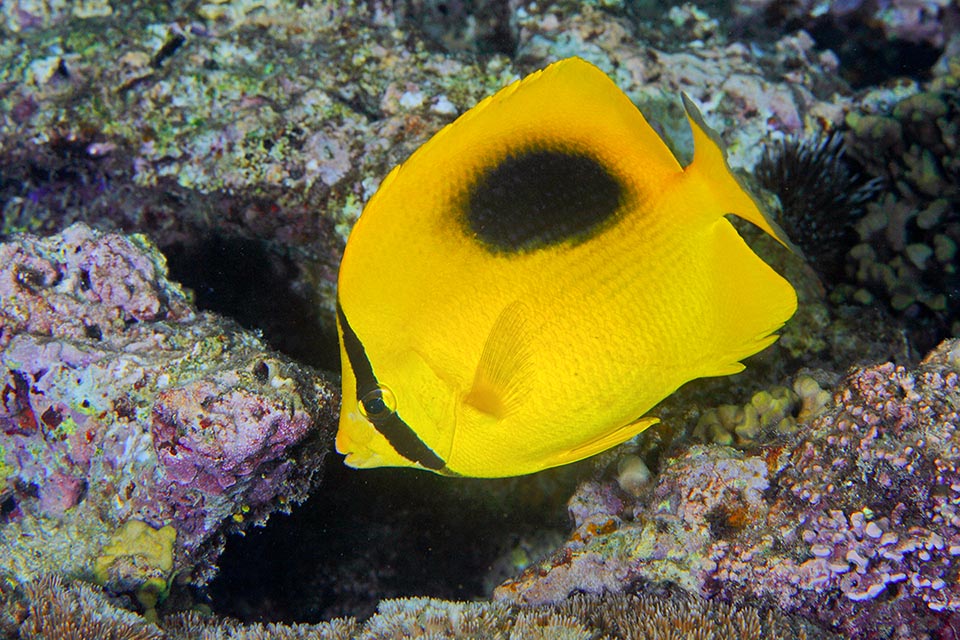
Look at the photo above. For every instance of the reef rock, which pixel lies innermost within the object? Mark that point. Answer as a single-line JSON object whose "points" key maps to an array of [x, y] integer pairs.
{"points": [[136, 431], [851, 521]]}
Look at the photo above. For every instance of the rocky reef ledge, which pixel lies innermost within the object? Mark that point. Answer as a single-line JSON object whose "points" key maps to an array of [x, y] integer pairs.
{"points": [[135, 431]]}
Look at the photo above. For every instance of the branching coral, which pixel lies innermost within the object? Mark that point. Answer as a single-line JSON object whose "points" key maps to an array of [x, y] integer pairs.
{"points": [[77, 611]]}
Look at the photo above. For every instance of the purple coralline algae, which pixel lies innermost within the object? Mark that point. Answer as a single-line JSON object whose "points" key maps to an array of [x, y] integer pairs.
{"points": [[136, 431], [851, 522]]}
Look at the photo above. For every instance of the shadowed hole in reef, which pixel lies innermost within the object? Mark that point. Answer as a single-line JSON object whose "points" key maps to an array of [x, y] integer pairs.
{"points": [[382, 533], [482, 26], [239, 278], [868, 57], [364, 535]]}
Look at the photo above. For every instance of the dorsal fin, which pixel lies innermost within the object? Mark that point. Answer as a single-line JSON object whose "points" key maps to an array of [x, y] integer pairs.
{"points": [[710, 159], [499, 382]]}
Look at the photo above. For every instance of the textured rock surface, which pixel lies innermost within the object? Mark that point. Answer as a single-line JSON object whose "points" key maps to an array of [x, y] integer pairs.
{"points": [[121, 406], [852, 521]]}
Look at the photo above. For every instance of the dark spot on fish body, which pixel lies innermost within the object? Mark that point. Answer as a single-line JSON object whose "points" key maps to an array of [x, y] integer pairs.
{"points": [[540, 197]]}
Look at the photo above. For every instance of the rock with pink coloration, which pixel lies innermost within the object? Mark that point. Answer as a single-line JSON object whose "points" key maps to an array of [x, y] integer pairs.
{"points": [[852, 522], [120, 402]]}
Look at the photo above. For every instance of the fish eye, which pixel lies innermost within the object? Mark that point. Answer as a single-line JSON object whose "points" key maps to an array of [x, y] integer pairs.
{"points": [[377, 404]]}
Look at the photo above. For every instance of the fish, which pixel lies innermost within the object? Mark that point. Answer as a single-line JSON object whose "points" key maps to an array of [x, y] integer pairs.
{"points": [[523, 289]]}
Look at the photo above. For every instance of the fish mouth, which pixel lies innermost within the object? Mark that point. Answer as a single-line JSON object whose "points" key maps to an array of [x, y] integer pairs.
{"points": [[357, 455]]}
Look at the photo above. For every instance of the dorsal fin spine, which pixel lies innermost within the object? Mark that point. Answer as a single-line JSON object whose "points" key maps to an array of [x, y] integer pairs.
{"points": [[727, 194]]}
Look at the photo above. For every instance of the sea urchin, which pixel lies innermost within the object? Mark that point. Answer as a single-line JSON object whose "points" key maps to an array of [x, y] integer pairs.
{"points": [[821, 196]]}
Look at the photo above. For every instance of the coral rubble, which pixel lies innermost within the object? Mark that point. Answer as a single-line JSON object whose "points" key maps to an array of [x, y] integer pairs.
{"points": [[134, 430]]}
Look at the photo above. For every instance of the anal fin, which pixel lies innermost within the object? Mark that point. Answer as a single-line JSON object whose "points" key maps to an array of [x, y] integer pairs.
{"points": [[604, 441]]}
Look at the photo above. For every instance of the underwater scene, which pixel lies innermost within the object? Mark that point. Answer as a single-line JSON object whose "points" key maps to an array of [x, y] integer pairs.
{"points": [[481, 319]]}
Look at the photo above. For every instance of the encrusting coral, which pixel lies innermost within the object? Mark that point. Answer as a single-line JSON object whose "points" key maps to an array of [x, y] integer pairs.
{"points": [[907, 250], [767, 414]]}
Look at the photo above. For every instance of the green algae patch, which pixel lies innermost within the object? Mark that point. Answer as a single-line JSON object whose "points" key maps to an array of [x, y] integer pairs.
{"points": [[138, 558], [6, 470]]}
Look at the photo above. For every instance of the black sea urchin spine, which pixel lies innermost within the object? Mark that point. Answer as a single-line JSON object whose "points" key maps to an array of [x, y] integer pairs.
{"points": [[821, 196]]}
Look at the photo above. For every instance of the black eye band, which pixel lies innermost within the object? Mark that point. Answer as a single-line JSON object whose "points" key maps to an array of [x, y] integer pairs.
{"points": [[377, 409]]}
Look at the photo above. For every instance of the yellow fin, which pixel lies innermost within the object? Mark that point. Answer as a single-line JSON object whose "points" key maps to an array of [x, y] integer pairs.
{"points": [[749, 303], [498, 384], [709, 159], [604, 441]]}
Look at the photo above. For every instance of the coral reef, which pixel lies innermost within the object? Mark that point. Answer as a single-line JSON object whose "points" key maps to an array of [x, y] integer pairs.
{"points": [[184, 125], [908, 240], [243, 138], [768, 413], [48, 608], [174, 121], [850, 522], [749, 95], [135, 431]]}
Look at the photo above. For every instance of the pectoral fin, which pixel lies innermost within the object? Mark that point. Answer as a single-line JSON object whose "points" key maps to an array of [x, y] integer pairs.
{"points": [[499, 383]]}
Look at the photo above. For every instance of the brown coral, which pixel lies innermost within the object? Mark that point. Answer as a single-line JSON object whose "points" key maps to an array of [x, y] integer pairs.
{"points": [[49, 608], [59, 611]]}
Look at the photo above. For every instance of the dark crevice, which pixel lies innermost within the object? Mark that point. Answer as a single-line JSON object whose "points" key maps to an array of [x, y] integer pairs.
{"points": [[385, 533], [240, 278], [868, 57]]}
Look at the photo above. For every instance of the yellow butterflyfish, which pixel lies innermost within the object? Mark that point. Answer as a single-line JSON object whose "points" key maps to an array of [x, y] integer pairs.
{"points": [[522, 290]]}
